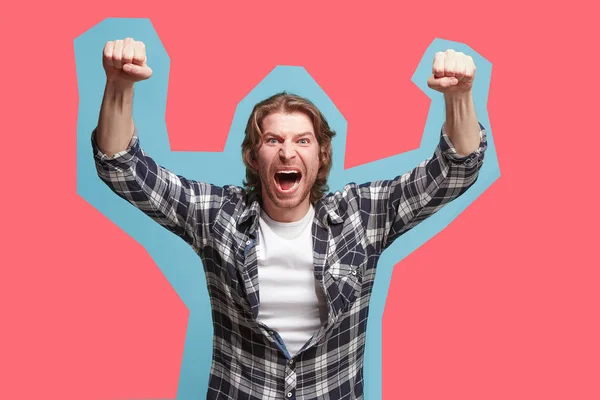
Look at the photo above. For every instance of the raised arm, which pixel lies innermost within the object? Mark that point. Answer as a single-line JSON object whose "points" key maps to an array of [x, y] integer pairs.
{"points": [[453, 75], [125, 63], [393, 207], [182, 206]]}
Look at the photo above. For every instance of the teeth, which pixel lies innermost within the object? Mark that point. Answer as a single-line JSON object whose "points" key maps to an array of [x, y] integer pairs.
{"points": [[289, 172]]}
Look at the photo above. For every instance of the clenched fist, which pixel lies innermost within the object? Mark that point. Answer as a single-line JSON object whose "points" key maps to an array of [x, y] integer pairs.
{"points": [[453, 72], [125, 60]]}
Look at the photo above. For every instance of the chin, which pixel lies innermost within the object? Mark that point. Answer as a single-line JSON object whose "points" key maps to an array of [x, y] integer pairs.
{"points": [[289, 202]]}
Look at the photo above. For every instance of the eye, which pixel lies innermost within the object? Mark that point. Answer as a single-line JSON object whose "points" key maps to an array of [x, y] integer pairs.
{"points": [[272, 140], [303, 141]]}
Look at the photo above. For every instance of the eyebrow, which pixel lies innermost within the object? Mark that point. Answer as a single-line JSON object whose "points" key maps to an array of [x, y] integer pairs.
{"points": [[296, 135]]}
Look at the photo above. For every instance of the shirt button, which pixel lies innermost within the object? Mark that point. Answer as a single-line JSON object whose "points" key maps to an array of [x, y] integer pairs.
{"points": [[271, 333], [291, 362], [289, 394], [354, 272], [248, 242]]}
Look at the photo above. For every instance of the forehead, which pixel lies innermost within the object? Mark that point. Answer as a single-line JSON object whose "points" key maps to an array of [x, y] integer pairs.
{"points": [[287, 123]]}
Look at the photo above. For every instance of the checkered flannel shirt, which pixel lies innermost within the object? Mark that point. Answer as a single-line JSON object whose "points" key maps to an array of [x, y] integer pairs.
{"points": [[350, 229]]}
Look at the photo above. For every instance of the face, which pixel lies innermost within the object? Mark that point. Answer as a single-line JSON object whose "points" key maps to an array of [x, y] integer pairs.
{"points": [[287, 164]]}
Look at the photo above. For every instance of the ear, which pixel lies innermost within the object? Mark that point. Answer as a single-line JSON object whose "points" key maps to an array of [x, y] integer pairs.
{"points": [[322, 155], [254, 164]]}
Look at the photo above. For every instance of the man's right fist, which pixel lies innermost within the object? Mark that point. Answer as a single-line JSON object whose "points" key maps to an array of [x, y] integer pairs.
{"points": [[125, 60]]}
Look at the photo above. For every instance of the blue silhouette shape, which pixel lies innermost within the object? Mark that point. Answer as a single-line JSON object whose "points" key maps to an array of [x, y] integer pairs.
{"points": [[180, 265]]}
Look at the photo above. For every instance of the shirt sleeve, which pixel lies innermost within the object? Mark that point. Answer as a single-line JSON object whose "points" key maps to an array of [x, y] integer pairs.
{"points": [[390, 208], [182, 206]]}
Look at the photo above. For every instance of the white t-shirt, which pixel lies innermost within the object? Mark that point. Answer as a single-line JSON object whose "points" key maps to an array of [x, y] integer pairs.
{"points": [[291, 301]]}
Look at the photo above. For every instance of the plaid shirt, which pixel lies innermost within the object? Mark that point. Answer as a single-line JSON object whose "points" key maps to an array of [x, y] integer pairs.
{"points": [[350, 230]]}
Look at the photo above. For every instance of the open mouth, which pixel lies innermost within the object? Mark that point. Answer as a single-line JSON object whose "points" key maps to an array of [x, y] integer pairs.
{"points": [[288, 181]]}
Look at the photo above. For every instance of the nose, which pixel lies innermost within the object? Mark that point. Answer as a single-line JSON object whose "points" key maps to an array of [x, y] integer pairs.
{"points": [[287, 152]]}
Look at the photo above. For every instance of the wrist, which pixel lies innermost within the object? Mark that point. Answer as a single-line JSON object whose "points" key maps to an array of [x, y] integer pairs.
{"points": [[458, 97], [119, 84], [459, 106], [118, 93]]}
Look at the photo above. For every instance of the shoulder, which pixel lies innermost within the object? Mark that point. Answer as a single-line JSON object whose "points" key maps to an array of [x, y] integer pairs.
{"points": [[233, 194], [338, 205], [238, 203]]}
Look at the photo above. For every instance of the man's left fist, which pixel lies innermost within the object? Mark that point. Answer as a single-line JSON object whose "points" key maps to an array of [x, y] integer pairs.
{"points": [[453, 72]]}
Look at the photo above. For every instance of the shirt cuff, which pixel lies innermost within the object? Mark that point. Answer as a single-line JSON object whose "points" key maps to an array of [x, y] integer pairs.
{"points": [[121, 158], [450, 152]]}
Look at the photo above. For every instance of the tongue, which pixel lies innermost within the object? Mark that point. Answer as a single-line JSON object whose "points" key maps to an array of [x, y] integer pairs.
{"points": [[287, 184]]}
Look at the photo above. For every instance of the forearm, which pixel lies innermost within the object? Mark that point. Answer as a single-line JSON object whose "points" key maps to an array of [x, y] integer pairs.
{"points": [[462, 125], [115, 124]]}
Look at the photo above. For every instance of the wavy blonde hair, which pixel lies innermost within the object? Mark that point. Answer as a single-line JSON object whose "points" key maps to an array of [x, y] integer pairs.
{"points": [[286, 103]]}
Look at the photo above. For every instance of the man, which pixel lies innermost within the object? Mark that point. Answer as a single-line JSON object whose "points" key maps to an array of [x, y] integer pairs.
{"points": [[311, 254]]}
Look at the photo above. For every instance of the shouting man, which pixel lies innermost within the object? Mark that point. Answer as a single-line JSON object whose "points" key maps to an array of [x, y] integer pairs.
{"points": [[289, 266]]}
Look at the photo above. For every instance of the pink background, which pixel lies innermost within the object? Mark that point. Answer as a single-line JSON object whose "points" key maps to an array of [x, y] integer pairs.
{"points": [[502, 304]]}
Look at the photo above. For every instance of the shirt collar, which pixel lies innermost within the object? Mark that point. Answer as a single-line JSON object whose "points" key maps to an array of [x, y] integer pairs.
{"points": [[251, 212], [324, 211]]}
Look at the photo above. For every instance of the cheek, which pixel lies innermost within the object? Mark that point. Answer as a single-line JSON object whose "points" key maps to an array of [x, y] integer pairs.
{"points": [[262, 161]]}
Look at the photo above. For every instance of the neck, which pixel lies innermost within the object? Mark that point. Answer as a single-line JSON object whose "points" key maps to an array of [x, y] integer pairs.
{"points": [[284, 214]]}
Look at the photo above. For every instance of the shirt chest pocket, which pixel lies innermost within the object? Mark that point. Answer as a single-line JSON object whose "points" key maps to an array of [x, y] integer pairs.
{"points": [[346, 275]]}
